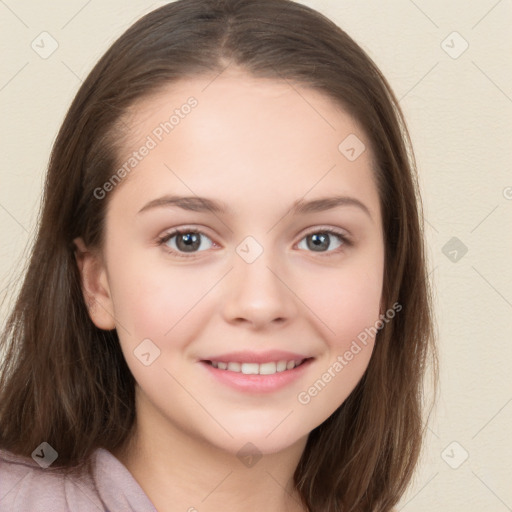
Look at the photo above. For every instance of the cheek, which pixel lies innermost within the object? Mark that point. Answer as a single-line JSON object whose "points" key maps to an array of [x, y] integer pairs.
{"points": [[348, 302], [350, 311], [350, 308], [164, 306], [150, 301], [359, 303]]}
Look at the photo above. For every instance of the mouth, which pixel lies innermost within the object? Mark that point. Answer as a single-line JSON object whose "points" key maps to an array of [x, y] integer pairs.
{"points": [[268, 368], [257, 378]]}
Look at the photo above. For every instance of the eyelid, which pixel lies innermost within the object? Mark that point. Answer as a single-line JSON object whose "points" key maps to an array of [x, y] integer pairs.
{"points": [[319, 228]]}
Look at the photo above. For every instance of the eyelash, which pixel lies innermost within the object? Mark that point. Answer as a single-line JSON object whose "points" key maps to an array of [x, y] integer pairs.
{"points": [[346, 242]]}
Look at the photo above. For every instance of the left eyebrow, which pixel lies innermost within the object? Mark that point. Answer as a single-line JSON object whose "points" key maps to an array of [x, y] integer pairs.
{"points": [[299, 207], [327, 203]]}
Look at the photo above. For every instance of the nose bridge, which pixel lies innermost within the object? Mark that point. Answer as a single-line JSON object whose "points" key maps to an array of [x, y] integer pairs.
{"points": [[253, 266], [258, 293]]}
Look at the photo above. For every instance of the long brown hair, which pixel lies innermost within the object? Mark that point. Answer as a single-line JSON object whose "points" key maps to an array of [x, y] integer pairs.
{"points": [[64, 381]]}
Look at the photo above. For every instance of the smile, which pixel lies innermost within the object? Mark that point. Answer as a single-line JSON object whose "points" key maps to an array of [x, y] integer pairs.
{"points": [[256, 378], [257, 369]]}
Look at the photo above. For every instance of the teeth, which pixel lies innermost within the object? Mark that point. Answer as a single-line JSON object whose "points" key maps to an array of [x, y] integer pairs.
{"points": [[250, 368], [257, 369], [267, 368], [281, 366]]}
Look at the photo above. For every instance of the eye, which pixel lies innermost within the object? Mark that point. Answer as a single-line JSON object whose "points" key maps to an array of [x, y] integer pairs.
{"points": [[318, 240], [187, 241]]}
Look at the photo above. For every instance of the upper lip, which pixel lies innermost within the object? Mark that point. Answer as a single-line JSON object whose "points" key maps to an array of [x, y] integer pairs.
{"points": [[257, 357]]}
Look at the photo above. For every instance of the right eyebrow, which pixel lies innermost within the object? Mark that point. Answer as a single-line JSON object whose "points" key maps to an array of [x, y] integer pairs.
{"points": [[190, 203]]}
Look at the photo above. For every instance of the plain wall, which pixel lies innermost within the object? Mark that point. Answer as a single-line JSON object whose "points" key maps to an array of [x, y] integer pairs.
{"points": [[458, 106]]}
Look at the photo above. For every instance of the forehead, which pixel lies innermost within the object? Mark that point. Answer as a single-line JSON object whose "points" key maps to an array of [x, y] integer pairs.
{"points": [[245, 137], [253, 109]]}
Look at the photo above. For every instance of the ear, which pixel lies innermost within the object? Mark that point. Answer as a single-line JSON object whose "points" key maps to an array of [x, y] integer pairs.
{"points": [[95, 286]]}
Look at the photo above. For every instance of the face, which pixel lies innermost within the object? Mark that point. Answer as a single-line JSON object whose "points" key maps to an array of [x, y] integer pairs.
{"points": [[261, 272]]}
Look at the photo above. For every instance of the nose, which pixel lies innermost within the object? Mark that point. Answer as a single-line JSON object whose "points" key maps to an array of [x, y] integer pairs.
{"points": [[258, 293]]}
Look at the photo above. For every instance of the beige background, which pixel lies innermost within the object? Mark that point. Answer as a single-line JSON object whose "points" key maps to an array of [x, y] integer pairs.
{"points": [[459, 109]]}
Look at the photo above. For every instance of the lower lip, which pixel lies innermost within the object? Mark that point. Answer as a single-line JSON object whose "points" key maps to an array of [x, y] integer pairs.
{"points": [[257, 383]]}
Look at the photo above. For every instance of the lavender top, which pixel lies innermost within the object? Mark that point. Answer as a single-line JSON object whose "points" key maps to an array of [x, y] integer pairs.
{"points": [[25, 486]]}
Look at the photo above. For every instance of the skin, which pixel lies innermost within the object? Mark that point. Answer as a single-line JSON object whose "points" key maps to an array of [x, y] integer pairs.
{"points": [[258, 145]]}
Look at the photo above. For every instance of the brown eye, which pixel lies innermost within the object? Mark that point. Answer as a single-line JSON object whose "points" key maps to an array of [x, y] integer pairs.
{"points": [[184, 241], [322, 240]]}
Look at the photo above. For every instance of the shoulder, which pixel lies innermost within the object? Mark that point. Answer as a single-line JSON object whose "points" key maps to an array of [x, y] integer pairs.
{"points": [[27, 486]]}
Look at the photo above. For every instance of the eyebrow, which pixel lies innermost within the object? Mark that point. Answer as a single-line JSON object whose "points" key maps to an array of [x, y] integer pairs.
{"points": [[299, 207]]}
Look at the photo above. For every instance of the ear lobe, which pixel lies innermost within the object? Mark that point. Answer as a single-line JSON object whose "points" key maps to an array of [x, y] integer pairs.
{"points": [[95, 286]]}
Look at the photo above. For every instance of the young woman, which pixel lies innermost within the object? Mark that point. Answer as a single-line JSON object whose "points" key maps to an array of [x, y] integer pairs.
{"points": [[227, 303]]}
